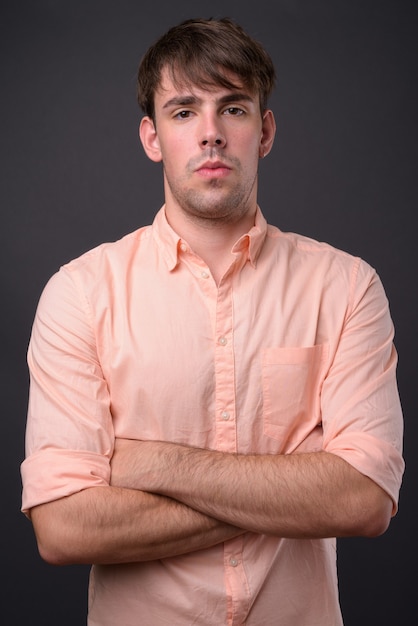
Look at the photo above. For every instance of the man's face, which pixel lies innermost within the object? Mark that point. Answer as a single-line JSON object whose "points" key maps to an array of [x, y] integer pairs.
{"points": [[209, 141]]}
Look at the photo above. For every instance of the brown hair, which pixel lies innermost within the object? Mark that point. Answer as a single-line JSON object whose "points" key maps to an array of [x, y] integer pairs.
{"points": [[203, 52]]}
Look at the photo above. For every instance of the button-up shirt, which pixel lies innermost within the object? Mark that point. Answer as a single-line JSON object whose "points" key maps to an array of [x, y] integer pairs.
{"points": [[291, 351]]}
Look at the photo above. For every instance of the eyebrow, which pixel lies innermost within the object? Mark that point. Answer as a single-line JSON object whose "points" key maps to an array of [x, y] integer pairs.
{"points": [[236, 96]]}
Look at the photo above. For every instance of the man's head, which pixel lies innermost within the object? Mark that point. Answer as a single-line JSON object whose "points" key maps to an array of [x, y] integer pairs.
{"points": [[206, 53]]}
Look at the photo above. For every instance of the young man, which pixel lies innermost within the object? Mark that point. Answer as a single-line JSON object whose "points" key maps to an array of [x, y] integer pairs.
{"points": [[212, 401]]}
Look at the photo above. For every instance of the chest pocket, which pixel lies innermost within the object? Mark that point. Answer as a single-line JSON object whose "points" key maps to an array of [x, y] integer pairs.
{"points": [[292, 380]]}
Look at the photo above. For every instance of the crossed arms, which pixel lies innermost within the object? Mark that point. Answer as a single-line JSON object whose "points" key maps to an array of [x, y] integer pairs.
{"points": [[167, 499]]}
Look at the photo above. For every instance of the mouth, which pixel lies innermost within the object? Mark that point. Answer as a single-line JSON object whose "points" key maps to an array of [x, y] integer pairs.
{"points": [[213, 169]]}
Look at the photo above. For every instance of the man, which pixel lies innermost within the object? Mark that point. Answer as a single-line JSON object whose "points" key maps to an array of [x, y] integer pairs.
{"points": [[212, 401]]}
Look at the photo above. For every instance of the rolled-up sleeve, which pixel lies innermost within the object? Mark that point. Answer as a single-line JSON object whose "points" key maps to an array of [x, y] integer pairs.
{"points": [[361, 409], [69, 435]]}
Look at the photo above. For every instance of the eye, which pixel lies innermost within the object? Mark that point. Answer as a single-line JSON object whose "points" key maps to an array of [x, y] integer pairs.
{"points": [[182, 115], [236, 111]]}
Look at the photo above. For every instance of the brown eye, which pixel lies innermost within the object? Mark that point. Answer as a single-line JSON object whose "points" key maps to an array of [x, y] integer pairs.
{"points": [[182, 115], [234, 111]]}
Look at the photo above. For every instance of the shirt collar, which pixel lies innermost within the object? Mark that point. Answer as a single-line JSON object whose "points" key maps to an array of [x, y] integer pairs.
{"points": [[170, 243]]}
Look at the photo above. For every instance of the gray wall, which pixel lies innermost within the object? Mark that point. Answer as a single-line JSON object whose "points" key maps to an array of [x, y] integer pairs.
{"points": [[73, 175]]}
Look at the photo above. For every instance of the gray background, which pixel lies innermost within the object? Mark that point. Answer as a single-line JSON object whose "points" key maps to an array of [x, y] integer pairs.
{"points": [[73, 174]]}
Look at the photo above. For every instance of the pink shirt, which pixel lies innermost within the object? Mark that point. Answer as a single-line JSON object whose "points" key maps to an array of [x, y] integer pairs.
{"points": [[292, 351]]}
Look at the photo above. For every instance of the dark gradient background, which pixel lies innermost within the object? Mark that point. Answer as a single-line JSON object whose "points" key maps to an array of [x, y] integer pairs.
{"points": [[73, 174]]}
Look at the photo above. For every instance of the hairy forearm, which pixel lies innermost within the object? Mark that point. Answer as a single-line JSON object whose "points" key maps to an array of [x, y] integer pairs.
{"points": [[116, 525], [300, 495]]}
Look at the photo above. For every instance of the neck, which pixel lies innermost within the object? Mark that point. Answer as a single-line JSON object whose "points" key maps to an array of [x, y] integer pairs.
{"points": [[211, 239]]}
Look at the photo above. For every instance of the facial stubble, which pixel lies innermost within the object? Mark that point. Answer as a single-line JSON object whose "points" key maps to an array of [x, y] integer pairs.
{"points": [[218, 202]]}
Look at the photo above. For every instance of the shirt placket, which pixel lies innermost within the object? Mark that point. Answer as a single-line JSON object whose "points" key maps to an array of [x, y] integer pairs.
{"points": [[221, 299], [226, 433], [226, 440]]}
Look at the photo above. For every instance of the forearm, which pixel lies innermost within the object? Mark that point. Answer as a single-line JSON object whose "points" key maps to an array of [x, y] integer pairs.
{"points": [[115, 525], [300, 495]]}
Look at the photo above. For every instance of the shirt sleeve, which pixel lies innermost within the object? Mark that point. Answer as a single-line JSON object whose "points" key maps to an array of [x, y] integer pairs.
{"points": [[69, 434], [362, 416]]}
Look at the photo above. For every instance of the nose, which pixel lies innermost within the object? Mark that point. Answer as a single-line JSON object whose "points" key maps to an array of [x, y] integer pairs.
{"points": [[211, 133], [217, 142]]}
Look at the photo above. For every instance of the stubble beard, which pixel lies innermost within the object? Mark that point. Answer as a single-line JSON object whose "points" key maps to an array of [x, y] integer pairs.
{"points": [[217, 203]]}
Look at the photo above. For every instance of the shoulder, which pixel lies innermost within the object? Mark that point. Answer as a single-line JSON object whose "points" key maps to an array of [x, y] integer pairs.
{"points": [[320, 265], [108, 261], [303, 244], [93, 275], [301, 248], [117, 252]]}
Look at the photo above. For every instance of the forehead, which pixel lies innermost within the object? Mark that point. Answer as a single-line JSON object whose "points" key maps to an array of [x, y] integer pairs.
{"points": [[178, 83]]}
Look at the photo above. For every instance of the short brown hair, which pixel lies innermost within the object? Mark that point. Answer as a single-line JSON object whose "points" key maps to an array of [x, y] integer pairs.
{"points": [[202, 52]]}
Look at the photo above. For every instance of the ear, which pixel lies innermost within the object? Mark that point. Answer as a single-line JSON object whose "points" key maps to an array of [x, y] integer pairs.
{"points": [[268, 132], [149, 139]]}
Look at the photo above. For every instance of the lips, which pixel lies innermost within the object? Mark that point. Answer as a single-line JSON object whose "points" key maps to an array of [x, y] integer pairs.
{"points": [[213, 169]]}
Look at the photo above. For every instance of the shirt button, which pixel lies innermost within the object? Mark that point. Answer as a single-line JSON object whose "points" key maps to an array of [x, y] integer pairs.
{"points": [[204, 274], [223, 341], [183, 247], [233, 562], [225, 415]]}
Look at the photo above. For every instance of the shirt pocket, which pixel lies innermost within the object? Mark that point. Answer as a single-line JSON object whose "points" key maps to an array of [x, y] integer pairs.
{"points": [[291, 381]]}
